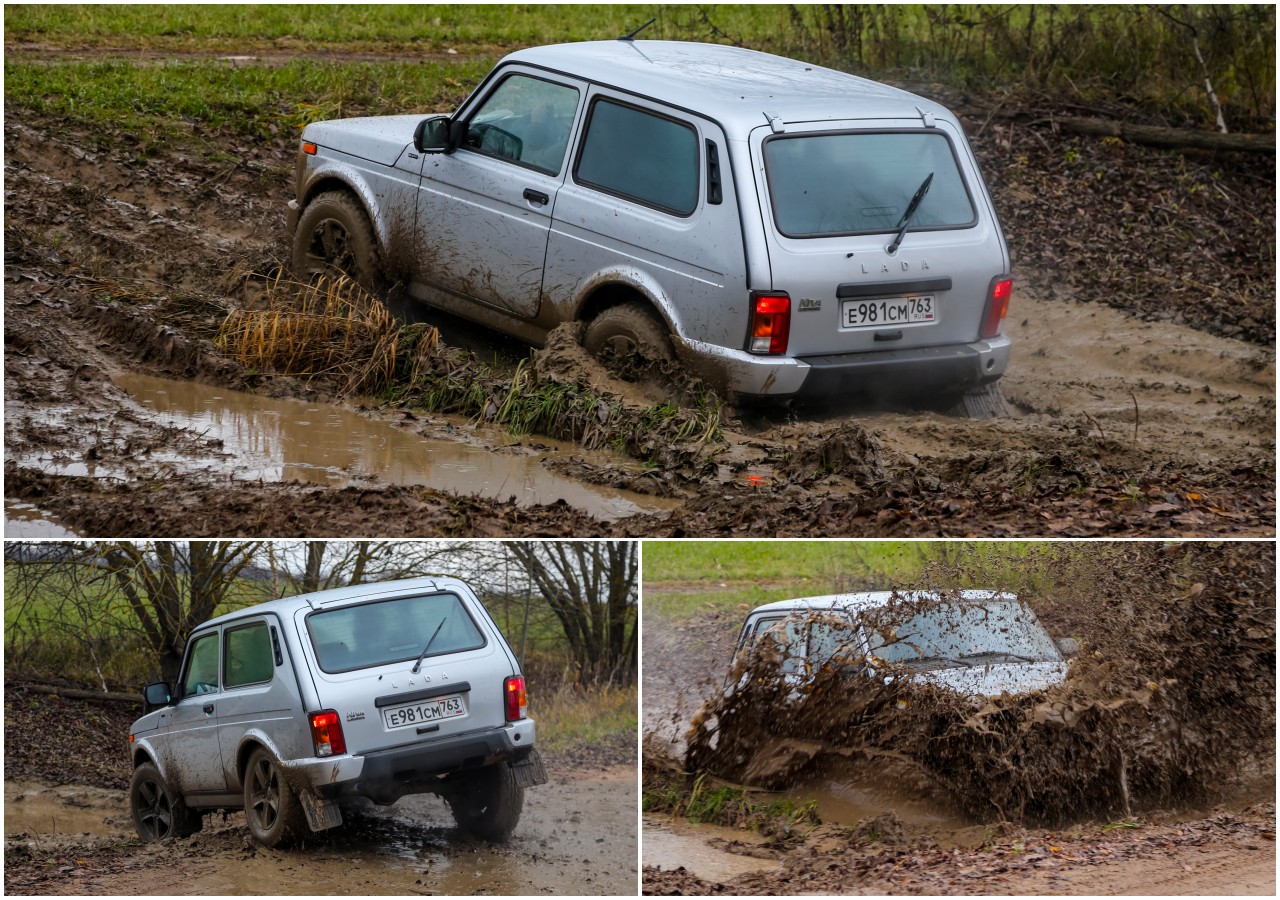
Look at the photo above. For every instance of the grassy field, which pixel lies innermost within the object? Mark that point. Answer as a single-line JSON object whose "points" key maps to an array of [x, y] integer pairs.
{"points": [[571, 718], [685, 578]]}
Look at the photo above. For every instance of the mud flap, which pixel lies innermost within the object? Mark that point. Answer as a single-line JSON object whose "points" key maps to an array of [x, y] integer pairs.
{"points": [[983, 403], [321, 814], [529, 771]]}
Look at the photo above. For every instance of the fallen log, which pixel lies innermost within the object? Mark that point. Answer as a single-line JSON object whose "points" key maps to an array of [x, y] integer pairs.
{"points": [[1169, 138], [77, 694]]}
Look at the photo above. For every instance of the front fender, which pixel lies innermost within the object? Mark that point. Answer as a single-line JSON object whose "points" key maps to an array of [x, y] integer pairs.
{"points": [[328, 174]]}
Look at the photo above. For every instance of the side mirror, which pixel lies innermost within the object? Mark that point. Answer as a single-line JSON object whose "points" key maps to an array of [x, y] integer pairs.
{"points": [[156, 695], [1068, 647], [434, 135]]}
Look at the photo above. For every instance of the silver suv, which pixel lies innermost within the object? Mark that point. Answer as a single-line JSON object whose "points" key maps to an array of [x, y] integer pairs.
{"points": [[288, 708], [781, 228]]}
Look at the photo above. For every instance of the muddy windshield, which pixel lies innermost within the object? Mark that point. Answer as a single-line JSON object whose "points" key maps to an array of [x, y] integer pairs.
{"points": [[388, 631], [862, 183], [964, 633]]}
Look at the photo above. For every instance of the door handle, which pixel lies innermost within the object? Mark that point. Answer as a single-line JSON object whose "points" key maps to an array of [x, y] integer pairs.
{"points": [[536, 196], [208, 708]]}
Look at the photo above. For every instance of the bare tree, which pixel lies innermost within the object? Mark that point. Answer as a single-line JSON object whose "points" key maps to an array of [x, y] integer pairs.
{"points": [[591, 586], [303, 567]]}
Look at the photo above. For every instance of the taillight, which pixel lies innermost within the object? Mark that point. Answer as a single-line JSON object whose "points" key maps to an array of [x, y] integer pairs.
{"points": [[326, 733], [770, 323], [517, 701], [997, 307]]}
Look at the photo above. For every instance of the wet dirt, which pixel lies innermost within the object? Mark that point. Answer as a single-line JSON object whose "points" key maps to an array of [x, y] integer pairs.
{"points": [[121, 262], [577, 835], [1145, 615]]}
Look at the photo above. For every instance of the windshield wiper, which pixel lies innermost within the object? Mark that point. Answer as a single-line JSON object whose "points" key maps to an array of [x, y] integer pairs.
{"points": [[959, 662], [1016, 656], [423, 655], [911, 211]]}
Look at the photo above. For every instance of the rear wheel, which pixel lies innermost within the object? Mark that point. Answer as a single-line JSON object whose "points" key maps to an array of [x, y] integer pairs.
{"points": [[487, 803], [272, 809], [157, 813], [626, 334], [334, 238]]}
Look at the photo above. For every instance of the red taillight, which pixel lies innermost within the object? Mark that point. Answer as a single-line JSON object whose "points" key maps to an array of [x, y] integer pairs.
{"points": [[516, 699], [326, 733], [770, 323], [997, 307]]}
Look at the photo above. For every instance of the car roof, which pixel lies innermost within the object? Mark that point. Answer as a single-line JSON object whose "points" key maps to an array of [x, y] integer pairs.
{"points": [[740, 88], [857, 602], [339, 596]]}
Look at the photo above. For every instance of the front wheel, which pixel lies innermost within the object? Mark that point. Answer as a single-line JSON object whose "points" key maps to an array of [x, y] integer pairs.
{"points": [[271, 808], [488, 803], [157, 813], [334, 238]]}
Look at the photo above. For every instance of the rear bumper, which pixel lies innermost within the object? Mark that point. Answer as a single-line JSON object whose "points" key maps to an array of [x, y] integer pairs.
{"points": [[385, 775], [951, 368]]}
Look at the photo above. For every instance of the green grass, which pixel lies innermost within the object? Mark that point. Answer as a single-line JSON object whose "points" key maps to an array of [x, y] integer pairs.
{"points": [[572, 717]]}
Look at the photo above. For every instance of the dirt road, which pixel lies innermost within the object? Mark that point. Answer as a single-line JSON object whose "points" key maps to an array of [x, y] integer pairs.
{"points": [[122, 265], [577, 836]]}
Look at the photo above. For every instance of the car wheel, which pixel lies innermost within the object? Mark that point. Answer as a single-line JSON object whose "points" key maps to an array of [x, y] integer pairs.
{"points": [[627, 333], [271, 808], [334, 238], [157, 813], [488, 803]]}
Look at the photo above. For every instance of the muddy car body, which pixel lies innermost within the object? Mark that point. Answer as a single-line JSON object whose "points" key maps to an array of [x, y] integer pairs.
{"points": [[288, 708], [975, 643], [782, 228]]}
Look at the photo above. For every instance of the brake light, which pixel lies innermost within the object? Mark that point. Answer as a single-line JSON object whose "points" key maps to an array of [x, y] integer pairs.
{"points": [[326, 733], [997, 307], [770, 323], [516, 699]]}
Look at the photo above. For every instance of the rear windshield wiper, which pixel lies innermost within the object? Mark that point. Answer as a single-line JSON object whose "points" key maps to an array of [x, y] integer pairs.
{"points": [[911, 211], [423, 655]]}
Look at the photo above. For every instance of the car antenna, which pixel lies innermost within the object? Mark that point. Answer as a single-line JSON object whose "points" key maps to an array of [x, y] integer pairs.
{"points": [[632, 35]]}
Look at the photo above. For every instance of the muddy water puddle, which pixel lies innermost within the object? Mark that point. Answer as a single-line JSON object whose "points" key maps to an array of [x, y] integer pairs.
{"points": [[22, 520], [670, 843], [68, 809], [291, 440]]}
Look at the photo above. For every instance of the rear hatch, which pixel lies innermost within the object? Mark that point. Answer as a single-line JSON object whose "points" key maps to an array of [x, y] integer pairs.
{"points": [[833, 198], [363, 657]]}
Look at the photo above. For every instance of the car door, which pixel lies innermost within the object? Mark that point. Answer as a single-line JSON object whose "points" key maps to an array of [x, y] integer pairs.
{"points": [[485, 209], [259, 692], [193, 760]]}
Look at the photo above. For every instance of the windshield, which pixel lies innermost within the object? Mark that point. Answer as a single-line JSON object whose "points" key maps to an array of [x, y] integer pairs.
{"points": [[861, 183], [388, 631], [969, 631]]}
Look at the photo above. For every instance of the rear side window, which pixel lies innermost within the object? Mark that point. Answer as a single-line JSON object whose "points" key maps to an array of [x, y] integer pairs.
{"points": [[641, 156], [862, 183], [388, 631], [249, 659]]}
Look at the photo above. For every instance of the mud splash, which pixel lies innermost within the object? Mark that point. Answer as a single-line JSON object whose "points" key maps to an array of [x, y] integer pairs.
{"points": [[1173, 690], [289, 440]]}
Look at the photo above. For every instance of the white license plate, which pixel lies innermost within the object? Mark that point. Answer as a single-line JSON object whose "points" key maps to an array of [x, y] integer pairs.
{"points": [[879, 313], [424, 713]]}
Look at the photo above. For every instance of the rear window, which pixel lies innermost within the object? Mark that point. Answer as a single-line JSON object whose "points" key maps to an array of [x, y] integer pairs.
{"points": [[641, 156], [861, 183], [389, 631]]}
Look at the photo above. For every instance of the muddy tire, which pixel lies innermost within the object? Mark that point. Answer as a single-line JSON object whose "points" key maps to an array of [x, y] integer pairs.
{"points": [[625, 332], [158, 813], [334, 238], [487, 803], [271, 808]]}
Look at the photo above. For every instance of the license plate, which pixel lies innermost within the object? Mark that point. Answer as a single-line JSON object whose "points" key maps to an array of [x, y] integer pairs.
{"points": [[879, 313], [424, 713]]}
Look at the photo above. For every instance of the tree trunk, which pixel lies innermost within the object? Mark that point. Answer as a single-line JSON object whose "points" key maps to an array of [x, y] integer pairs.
{"points": [[1169, 138]]}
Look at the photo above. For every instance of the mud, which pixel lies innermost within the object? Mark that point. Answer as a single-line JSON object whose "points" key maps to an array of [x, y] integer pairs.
{"points": [[577, 835], [123, 263], [1174, 687]]}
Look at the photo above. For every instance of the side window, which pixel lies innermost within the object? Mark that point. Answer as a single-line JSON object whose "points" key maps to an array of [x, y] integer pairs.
{"points": [[641, 156], [526, 120], [202, 667], [249, 659]]}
